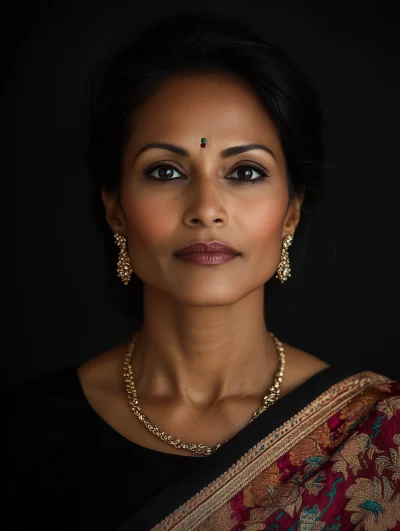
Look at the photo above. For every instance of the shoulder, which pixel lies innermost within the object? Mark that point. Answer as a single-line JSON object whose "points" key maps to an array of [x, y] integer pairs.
{"points": [[370, 422], [101, 374], [300, 367], [387, 393], [372, 407]]}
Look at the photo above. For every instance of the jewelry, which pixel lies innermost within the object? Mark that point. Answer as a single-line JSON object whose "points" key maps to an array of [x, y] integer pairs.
{"points": [[203, 142], [124, 268], [283, 272], [270, 398]]}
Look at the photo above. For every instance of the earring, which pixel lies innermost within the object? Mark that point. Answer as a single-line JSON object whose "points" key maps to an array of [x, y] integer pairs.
{"points": [[284, 265], [124, 267]]}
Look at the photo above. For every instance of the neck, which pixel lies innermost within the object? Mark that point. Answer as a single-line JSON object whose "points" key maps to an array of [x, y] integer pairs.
{"points": [[203, 355]]}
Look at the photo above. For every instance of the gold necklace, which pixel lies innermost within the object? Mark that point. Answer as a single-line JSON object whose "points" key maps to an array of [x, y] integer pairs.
{"points": [[201, 449]]}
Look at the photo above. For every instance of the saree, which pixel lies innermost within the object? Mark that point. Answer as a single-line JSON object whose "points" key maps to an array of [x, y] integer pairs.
{"points": [[324, 457]]}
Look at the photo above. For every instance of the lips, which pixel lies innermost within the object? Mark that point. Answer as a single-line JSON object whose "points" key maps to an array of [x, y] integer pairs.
{"points": [[207, 247]]}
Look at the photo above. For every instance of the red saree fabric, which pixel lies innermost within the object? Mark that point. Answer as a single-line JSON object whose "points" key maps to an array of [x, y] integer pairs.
{"points": [[334, 466]]}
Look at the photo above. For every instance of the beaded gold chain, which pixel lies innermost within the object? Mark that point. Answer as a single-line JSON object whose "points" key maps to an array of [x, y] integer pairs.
{"points": [[201, 449]]}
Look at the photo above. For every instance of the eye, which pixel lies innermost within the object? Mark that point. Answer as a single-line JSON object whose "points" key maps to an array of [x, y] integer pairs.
{"points": [[244, 174], [165, 175]]}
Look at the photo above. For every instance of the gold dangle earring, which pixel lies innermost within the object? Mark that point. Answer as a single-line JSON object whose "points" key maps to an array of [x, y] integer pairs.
{"points": [[124, 267], [284, 265]]}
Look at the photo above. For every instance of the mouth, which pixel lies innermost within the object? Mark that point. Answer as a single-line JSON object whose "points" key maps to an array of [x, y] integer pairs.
{"points": [[215, 247], [207, 258]]}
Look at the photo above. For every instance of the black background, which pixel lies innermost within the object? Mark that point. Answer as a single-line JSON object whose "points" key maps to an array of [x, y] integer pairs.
{"points": [[58, 312]]}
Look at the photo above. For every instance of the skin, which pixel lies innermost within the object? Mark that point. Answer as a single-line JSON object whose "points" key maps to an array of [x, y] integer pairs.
{"points": [[204, 358]]}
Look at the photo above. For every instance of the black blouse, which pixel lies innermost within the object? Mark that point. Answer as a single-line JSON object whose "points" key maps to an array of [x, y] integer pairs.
{"points": [[67, 469], [70, 470]]}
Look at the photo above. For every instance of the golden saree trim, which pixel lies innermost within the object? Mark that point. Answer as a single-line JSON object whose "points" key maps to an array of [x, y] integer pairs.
{"points": [[196, 510]]}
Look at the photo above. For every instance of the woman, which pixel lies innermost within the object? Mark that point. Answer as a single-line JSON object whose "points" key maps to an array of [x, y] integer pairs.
{"points": [[206, 151]]}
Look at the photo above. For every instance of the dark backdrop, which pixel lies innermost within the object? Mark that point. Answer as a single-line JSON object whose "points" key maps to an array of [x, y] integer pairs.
{"points": [[345, 309]]}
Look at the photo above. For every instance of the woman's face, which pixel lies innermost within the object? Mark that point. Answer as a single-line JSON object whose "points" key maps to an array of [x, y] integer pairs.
{"points": [[204, 198]]}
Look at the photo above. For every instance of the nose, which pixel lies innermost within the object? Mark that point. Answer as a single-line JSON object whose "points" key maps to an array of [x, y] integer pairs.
{"points": [[205, 205]]}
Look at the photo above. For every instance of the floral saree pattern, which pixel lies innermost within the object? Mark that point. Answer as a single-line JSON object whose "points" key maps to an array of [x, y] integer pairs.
{"points": [[335, 465]]}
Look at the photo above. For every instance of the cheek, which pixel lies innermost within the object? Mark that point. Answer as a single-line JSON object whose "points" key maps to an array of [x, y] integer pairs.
{"points": [[150, 219], [264, 224]]}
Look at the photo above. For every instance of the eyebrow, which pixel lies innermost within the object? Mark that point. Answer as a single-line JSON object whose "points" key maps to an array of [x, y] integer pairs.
{"points": [[228, 152]]}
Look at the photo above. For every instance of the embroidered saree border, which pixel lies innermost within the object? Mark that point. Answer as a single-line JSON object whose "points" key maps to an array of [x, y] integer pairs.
{"points": [[267, 451]]}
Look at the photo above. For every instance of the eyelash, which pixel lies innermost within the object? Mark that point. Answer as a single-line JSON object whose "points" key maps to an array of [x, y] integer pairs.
{"points": [[264, 174]]}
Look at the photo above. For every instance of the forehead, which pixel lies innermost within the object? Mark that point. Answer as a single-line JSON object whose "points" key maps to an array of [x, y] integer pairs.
{"points": [[219, 107]]}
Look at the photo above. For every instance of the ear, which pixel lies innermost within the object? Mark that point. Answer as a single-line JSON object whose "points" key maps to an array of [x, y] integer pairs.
{"points": [[114, 214], [293, 215]]}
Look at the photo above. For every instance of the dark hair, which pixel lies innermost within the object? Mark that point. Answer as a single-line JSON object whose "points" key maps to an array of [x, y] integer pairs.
{"points": [[193, 42]]}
